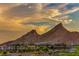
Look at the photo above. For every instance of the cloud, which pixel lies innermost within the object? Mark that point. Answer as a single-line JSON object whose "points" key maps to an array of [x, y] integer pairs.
{"points": [[13, 25], [57, 16], [65, 8], [6, 6], [63, 11], [53, 12], [24, 10], [23, 15], [62, 19], [19, 11], [61, 6], [33, 11], [57, 5], [37, 23], [74, 9], [41, 29]]}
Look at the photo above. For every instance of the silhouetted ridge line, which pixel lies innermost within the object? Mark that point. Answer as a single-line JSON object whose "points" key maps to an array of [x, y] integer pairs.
{"points": [[55, 36]]}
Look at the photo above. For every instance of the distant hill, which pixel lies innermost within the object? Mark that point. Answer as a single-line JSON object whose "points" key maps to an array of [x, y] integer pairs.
{"points": [[55, 36]]}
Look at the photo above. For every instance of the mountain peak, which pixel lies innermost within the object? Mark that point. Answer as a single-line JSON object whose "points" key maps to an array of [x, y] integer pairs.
{"points": [[33, 32], [60, 24], [59, 27]]}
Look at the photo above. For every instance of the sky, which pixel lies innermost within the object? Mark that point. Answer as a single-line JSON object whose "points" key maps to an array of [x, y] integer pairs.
{"points": [[17, 19]]}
